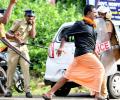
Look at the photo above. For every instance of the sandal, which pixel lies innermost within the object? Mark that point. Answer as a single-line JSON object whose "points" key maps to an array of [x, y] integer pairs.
{"points": [[106, 97], [45, 97], [100, 98]]}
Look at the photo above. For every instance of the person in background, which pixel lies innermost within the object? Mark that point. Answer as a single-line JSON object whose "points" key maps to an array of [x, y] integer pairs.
{"points": [[2, 45], [86, 69], [4, 18], [20, 32], [106, 57]]}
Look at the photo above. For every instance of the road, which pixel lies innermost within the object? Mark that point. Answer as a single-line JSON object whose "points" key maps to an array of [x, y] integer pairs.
{"points": [[69, 97]]}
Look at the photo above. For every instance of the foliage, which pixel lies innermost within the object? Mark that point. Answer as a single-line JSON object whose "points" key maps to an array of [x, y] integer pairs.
{"points": [[48, 20], [68, 3]]}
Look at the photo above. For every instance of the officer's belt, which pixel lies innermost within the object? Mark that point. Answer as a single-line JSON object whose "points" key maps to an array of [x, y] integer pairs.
{"points": [[16, 44]]}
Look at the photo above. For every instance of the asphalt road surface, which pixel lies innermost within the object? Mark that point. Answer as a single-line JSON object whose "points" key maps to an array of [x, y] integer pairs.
{"points": [[69, 97]]}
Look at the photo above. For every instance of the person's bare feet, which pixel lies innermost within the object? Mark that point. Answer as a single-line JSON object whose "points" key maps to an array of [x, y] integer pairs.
{"points": [[47, 96]]}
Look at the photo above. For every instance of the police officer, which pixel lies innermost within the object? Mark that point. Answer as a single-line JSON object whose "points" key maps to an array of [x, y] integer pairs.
{"points": [[107, 57], [19, 34]]}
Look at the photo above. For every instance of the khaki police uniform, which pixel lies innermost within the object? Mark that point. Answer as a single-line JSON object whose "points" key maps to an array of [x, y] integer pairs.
{"points": [[14, 58]]}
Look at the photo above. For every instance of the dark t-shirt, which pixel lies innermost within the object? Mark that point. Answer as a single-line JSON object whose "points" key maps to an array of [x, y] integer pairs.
{"points": [[85, 37]]}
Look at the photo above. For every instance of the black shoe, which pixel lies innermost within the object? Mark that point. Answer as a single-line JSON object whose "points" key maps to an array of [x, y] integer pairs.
{"points": [[8, 94], [28, 95]]}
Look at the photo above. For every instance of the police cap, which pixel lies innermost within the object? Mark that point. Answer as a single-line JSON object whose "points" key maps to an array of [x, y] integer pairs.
{"points": [[2, 11], [29, 13]]}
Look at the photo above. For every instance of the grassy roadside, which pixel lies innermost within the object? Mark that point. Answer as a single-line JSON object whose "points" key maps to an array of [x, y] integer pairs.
{"points": [[38, 88]]}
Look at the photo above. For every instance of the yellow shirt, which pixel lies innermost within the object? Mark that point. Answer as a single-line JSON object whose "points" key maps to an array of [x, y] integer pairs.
{"points": [[2, 30], [2, 34]]}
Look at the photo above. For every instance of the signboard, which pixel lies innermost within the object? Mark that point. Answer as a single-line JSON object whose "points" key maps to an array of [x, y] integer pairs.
{"points": [[114, 5], [101, 47]]}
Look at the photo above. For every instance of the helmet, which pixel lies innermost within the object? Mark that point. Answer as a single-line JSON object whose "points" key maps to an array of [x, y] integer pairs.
{"points": [[104, 9]]}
